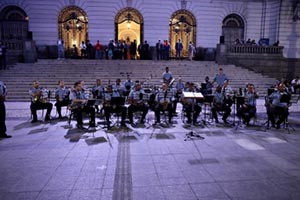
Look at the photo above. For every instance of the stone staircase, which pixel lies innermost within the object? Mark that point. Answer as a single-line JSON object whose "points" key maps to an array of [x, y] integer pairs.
{"points": [[20, 76]]}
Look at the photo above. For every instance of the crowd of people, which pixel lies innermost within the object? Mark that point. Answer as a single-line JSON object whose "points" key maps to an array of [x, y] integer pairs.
{"points": [[125, 50]]}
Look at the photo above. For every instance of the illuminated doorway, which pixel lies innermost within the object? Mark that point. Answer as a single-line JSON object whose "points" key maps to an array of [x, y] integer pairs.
{"points": [[129, 26], [72, 26], [183, 27]]}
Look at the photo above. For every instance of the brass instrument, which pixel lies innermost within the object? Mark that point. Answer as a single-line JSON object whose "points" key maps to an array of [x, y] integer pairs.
{"points": [[41, 96]]}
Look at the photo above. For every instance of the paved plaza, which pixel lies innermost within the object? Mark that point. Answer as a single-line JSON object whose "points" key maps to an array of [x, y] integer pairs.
{"points": [[57, 161]]}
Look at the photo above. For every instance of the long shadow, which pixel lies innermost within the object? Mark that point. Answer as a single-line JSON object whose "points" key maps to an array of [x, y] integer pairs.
{"points": [[39, 130]]}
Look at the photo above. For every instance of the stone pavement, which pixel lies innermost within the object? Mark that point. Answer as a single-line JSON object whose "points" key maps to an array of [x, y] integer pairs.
{"points": [[57, 161]]}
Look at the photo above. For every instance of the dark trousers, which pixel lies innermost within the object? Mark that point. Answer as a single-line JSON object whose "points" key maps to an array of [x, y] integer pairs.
{"points": [[246, 113], [118, 109], [274, 111], [2, 118], [87, 109], [159, 108], [60, 104], [216, 108], [39, 106], [2, 62], [189, 109], [133, 108]]}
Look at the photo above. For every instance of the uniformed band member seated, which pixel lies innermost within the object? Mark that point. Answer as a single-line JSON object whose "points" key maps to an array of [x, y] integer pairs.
{"points": [[278, 106], [248, 109], [39, 100], [179, 87], [111, 107], [79, 105], [163, 99], [98, 93], [136, 99], [220, 105], [62, 96], [190, 105]]}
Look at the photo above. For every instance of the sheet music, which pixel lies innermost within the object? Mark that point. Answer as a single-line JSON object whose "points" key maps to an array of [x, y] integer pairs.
{"points": [[194, 95]]}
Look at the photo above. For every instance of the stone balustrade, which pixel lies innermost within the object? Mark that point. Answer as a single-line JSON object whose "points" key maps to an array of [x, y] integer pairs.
{"points": [[253, 49]]}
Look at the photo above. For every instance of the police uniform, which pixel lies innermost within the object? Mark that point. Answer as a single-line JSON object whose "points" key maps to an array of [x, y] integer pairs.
{"points": [[62, 95], [79, 108], [163, 99], [3, 93], [120, 88], [220, 78], [138, 104], [220, 105], [179, 87], [248, 109], [98, 93], [39, 101], [128, 84], [109, 108], [277, 107], [167, 77]]}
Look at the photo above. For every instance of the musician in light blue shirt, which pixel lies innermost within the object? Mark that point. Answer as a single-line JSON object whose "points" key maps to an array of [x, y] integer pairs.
{"points": [[39, 100], [137, 100], [114, 107], [98, 93], [279, 105], [219, 104], [62, 95], [164, 102], [247, 109], [79, 105], [220, 78], [167, 76]]}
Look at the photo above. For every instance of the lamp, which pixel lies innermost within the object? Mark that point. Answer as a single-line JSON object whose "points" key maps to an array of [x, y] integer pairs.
{"points": [[128, 18]]}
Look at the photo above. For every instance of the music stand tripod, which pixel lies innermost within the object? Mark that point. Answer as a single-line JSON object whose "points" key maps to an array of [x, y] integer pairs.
{"points": [[193, 134]]}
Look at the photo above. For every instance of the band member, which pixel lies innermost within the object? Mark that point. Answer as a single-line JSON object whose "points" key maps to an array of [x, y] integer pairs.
{"points": [[119, 87], [62, 97], [220, 105], [167, 76], [279, 101], [227, 93], [163, 99], [110, 107], [79, 105], [179, 87], [247, 110], [128, 85], [39, 100], [98, 93], [136, 99], [190, 106], [220, 78], [206, 87], [3, 93]]}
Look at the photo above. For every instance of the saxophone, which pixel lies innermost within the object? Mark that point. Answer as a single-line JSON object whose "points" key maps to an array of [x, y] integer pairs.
{"points": [[165, 103]]}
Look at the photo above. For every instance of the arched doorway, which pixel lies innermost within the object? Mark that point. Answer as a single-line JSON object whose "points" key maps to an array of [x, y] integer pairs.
{"points": [[72, 26], [233, 29], [183, 27], [129, 26], [14, 24]]}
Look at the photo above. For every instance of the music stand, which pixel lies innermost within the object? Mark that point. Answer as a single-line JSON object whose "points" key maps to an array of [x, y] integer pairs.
{"points": [[208, 99], [192, 95], [117, 102], [90, 102]]}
